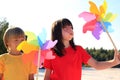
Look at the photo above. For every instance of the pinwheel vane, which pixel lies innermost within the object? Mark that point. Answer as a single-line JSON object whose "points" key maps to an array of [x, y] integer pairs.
{"points": [[98, 21]]}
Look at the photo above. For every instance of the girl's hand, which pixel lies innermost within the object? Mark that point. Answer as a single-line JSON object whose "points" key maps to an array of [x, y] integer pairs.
{"points": [[116, 57]]}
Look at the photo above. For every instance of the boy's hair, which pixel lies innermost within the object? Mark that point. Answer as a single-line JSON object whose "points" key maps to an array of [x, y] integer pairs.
{"points": [[56, 34], [12, 32]]}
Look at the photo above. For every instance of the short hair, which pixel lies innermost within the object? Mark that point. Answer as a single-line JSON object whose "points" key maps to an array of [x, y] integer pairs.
{"points": [[12, 32]]}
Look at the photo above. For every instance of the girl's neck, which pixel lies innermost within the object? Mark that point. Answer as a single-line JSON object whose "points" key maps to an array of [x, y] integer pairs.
{"points": [[66, 44]]}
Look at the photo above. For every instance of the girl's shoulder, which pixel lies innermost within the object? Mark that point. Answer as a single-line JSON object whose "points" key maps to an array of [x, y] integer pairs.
{"points": [[78, 46]]}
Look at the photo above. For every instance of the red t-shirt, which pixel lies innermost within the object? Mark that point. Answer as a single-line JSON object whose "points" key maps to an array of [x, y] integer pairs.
{"points": [[69, 66]]}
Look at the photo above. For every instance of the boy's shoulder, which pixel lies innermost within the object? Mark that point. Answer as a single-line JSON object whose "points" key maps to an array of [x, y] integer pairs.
{"points": [[3, 55]]}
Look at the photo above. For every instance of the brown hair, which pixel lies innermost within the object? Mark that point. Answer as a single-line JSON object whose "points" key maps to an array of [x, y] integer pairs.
{"points": [[12, 32], [56, 34]]}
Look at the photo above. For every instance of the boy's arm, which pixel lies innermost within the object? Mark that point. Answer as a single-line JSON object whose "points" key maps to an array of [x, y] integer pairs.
{"points": [[31, 77], [1, 76]]}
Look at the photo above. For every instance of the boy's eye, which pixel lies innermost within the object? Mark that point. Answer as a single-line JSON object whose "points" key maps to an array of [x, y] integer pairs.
{"points": [[16, 40], [22, 39]]}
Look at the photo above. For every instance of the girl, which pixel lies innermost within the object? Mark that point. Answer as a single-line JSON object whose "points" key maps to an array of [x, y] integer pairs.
{"points": [[11, 64], [69, 57]]}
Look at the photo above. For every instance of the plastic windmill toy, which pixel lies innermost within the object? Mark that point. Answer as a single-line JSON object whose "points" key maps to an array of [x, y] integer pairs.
{"points": [[36, 49], [98, 20]]}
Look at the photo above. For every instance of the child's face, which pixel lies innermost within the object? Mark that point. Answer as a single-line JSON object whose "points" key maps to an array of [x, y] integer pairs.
{"points": [[67, 33], [13, 42]]}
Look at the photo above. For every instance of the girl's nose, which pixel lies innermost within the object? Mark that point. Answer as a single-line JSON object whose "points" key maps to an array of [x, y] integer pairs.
{"points": [[70, 30]]}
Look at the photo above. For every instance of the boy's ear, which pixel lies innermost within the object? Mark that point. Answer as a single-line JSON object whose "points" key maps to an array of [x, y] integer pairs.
{"points": [[6, 44]]}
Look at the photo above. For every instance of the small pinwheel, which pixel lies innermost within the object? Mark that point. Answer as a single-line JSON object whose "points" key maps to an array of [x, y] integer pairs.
{"points": [[36, 48], [35, 45], [97, 20]]}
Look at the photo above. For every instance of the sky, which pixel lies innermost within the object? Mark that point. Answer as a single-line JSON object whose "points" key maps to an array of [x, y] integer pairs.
{"points": [[33, 15]]}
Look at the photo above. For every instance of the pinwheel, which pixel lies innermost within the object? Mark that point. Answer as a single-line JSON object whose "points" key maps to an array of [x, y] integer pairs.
{"points": [[97, 20], [37, 48], [32, 45]]}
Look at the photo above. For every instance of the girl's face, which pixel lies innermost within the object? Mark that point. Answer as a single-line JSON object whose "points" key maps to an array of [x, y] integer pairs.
{"points": [[67, 33], [13, 42]]}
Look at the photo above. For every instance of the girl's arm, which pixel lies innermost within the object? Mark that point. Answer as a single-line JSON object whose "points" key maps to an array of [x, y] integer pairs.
{"points": [[47, 74], [31, 77], [105, 64]]}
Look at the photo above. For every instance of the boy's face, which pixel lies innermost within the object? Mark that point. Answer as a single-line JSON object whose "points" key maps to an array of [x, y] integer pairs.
{"points": [[13, 42]]}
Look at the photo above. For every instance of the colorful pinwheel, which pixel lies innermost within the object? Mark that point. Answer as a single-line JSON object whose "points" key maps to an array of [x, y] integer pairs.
{"points": [[36, 49], [97, 20], [35, 45]]}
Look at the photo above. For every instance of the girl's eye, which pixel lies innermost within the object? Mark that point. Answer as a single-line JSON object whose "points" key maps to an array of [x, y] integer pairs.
{"points": [[65, 29]]}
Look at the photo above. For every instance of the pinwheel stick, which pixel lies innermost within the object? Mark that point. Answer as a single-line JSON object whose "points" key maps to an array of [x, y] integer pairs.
{"points": [[38, 64], [108, 35]]}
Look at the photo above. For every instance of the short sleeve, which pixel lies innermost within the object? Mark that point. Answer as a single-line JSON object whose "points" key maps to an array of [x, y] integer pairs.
{"points": [[47, 64], [85, 55], [1, 64]]}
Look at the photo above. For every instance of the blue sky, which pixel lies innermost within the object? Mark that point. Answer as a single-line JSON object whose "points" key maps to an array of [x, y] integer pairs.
{"points": [[32, 15]]}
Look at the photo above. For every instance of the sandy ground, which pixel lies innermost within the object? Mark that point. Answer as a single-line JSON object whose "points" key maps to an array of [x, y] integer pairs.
{"points": [[108, 74], [92, 74]]}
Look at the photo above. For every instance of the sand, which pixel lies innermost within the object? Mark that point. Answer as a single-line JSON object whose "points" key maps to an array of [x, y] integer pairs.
{"points": [[92, 74]]}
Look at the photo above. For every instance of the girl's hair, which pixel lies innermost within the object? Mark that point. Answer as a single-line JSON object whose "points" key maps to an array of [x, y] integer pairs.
{"points": [[12, 32], [56, 34]]}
